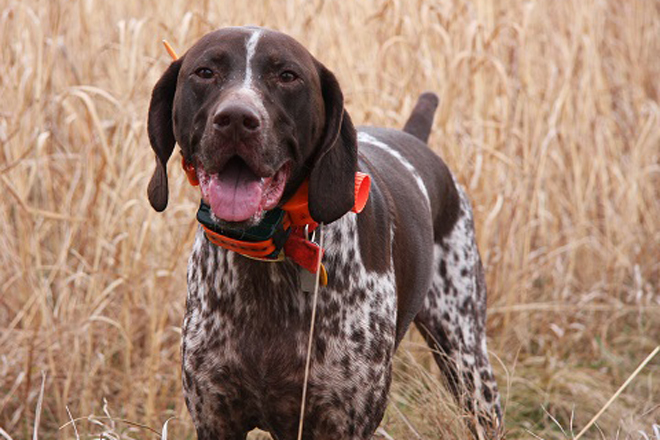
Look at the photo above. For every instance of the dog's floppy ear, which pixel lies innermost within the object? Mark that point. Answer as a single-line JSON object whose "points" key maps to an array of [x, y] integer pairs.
{"points": [[161, 133], [332, 180]]}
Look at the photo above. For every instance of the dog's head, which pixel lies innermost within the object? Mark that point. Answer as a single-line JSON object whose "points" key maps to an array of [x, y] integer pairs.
{"points": [[256, 114]]}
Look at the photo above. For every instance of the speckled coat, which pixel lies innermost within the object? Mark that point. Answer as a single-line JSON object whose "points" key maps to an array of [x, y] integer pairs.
{"points": [[410, 256], [247, 322]]}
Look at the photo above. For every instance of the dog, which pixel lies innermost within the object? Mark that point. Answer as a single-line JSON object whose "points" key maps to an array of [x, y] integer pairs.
{"points": [[261, 122]]}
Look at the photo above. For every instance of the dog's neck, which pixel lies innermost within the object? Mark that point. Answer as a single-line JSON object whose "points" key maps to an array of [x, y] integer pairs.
{"points": [[282, 232]]}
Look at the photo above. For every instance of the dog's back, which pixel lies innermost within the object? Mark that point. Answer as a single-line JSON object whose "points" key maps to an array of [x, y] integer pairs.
{"points": [[435, 252]]}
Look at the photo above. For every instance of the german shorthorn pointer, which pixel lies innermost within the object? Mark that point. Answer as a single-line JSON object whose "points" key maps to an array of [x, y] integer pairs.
{"points": [[264, 133]]}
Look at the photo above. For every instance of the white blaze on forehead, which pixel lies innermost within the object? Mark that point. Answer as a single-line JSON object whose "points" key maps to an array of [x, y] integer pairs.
{"points": [[246, 92], [250, 48]]}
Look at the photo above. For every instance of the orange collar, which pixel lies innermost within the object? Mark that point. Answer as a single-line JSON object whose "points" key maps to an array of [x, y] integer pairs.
{"points": [[290, 239]]}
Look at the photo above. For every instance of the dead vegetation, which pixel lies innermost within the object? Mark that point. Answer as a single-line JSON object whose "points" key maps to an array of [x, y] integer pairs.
{"points": [[549, 114]]}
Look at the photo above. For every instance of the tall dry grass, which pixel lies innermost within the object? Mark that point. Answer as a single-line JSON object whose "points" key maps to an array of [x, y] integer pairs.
{"points": [[550, 115]]}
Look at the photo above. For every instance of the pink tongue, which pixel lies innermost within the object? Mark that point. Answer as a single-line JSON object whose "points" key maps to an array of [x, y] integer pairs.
{"points": [[234, 194]]}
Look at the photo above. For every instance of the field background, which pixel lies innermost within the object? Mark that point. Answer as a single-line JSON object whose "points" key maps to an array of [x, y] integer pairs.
{"points": [[549, 115]]}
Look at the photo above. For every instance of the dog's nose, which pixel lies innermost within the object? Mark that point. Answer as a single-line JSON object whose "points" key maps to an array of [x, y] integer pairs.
{"points": [[236, 120]]}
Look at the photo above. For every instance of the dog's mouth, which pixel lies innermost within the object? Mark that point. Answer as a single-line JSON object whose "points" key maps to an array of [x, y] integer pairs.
{"points": [[237, 194]]}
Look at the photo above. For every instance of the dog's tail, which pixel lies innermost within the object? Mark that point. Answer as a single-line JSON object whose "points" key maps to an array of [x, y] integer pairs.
{"points": [[421, 119]]}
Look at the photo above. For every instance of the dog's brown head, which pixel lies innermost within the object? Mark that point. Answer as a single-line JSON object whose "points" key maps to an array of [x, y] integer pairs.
{"points": [[256, 114]]}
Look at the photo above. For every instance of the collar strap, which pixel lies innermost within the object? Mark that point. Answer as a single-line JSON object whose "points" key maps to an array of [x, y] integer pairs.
{"points": [[271, 240], [263, 241], [282, 232], [298, 205]]}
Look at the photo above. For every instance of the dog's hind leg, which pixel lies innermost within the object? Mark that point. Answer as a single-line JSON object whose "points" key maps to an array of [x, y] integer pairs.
{"points": [[452, 321]]}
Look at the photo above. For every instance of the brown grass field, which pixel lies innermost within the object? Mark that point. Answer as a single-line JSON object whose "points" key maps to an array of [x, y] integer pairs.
{"points": [[550, 115]]}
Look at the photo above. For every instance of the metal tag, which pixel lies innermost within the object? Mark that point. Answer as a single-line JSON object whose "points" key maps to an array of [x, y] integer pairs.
{"points": [[307, 280]]}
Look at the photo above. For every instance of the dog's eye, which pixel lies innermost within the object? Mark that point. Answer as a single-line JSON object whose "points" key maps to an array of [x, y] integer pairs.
{"points": [[288, 76], [204, 72]]}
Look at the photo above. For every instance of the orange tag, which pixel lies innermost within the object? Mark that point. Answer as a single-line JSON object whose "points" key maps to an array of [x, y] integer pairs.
{"points": [[323, 276]]}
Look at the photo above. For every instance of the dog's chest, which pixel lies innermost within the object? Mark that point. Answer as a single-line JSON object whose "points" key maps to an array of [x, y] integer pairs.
{"points": [[247, 324]]}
